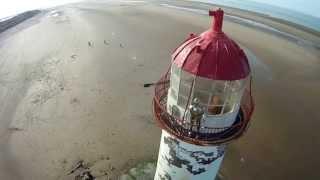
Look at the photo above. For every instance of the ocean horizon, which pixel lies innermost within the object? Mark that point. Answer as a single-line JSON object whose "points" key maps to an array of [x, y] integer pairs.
{"points": [[293, 16]]}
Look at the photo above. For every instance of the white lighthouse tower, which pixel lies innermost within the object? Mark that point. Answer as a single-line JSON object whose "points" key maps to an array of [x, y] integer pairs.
{"points": [[202, 103]]}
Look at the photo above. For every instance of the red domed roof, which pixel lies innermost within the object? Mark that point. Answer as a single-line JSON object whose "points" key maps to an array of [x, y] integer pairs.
{"points": [[212, 54]]}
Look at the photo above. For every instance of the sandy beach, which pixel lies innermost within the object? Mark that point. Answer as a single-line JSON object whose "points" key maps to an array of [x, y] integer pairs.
{"points": [[71, 88]]}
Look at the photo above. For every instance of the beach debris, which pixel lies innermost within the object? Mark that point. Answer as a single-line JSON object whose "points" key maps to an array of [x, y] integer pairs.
{"points": [[86, 175], [143, 170], [242, 160], [90, 44], [105, 42], [36, 100], [102, 157], [79, 165], [73, 56], [121, 45], [112, 168], [61, 87], [83, 171], [64, 161], [15, 129], [148, 84], [74, 101]]}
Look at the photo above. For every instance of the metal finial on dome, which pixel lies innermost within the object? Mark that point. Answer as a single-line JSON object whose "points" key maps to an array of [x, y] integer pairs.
{"points": [[218, 20]]}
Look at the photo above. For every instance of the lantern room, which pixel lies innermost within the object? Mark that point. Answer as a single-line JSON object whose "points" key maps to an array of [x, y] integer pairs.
{"points": [[205, 97], [219, 99]]}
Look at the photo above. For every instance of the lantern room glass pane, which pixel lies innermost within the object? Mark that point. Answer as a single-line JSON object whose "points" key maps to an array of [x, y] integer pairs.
{"points": [[237, 85], [175, 70], [184, 89], [216, 104], [202, 90], [182, 101], [186, 77], [234, 97], [220, 87], [173, 94], [174, 82], [225, 96], [217, 99], [203, 96], [175, 111], [203, 84], [215, 110], [227, 108]]}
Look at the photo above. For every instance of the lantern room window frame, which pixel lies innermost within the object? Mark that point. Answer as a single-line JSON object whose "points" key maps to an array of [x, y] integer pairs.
{"points": [[178, 79]]}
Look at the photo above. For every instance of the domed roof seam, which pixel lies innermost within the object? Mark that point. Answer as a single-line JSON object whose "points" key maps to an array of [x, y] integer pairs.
{"points": [[217, 58], [184, 45]]}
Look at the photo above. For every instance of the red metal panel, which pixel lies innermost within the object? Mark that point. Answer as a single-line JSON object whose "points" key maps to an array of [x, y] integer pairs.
{"points": [[212, 54]]}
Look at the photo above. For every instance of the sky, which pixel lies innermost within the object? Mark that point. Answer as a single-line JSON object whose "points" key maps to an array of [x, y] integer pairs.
{"points": [[11, 7]]}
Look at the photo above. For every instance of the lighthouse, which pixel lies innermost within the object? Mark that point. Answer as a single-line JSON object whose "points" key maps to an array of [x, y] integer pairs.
{"points": [[202, 103]]}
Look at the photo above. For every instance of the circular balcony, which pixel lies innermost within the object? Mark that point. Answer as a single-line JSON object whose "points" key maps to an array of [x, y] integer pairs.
{"points": [[206, 135]]}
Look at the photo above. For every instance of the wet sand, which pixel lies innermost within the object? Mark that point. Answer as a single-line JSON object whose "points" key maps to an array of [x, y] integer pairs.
{"points": [[13, 21], [71, 88]]}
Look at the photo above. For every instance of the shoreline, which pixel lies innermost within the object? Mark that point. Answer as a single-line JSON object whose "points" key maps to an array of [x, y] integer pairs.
{"points": [[17, 19], [252, 23], [261, 15], [282, 28]]}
